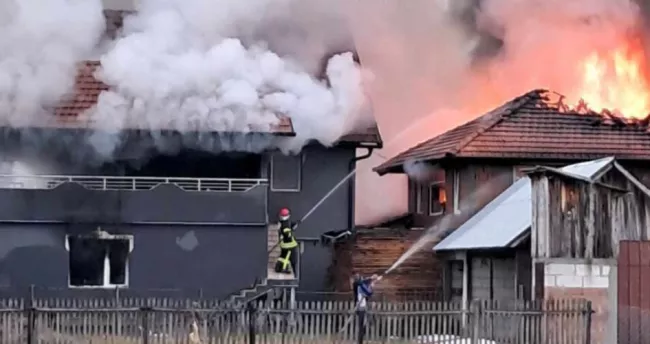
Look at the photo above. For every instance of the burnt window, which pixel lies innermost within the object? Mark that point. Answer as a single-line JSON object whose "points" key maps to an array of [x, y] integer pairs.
{"points": [[96, 262], [437, 198], [456, 192], [428, 197], [286, 172], [192, 164]]}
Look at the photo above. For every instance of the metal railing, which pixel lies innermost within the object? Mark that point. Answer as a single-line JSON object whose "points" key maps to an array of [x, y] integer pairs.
{"points": [[106, 183]]}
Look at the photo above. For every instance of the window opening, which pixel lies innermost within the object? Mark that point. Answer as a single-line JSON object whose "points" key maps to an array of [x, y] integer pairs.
{"points": [[98, 260]]}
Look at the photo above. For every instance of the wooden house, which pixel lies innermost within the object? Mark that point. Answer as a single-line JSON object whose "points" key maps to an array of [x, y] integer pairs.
{"points": [[473, 164]]}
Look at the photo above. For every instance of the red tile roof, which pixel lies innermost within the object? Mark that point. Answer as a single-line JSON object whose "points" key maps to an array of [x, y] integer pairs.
{"points": [[536, 125]]}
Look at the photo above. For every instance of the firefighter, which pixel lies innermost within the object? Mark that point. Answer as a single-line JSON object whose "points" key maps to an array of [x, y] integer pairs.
{"points": [[288, 244], [363, 288]]}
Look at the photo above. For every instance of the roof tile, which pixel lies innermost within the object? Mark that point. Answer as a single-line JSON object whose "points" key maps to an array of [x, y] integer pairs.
{"points": [[536, 125]]}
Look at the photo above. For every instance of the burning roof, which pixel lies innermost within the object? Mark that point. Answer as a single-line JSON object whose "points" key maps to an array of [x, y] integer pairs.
{"points": [[536, 125], [72, 112]]}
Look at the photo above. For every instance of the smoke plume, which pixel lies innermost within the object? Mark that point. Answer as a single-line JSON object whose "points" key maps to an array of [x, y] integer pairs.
{"points": [[442, 63], [186, 66], [40, 44], [180, 65]]}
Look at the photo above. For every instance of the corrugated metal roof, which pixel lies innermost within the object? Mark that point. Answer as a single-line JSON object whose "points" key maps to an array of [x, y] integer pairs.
{"points": [[509, 215], [497, 224], [588, 169]]}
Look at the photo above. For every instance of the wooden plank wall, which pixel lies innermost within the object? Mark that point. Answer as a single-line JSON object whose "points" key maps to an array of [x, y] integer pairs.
{"points": [[576, 219], [375, 250]]}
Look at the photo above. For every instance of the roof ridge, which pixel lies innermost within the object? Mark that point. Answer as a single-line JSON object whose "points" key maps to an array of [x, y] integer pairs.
{"points": [[495, 116]]}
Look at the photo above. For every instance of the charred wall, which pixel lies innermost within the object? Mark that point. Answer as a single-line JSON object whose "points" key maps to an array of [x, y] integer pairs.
{"points": [[478, 183], [319, 169], [165, 261]]}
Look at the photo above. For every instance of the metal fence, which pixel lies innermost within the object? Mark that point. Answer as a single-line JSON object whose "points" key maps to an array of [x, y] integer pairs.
{"points": [[149, 320]]}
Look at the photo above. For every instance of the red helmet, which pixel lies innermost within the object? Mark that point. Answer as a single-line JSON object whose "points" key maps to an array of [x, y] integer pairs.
{"points": [[284, 214]]}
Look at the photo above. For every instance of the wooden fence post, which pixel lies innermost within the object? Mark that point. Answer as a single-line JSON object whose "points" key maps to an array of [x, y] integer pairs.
{"points": [[588, 312], [475, 312], [31, 317], [145, 311], [361, 329], [251, 322]]}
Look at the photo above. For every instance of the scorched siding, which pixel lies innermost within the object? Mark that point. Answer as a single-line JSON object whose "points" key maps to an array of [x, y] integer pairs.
{"points": [[174, 260]]}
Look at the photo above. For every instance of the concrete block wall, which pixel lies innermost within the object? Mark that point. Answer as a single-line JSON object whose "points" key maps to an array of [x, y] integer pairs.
{"points": [[576, 275], [567, 280]]}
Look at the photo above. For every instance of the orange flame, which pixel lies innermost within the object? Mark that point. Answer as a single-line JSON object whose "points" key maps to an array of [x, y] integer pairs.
{"points": [[616, 80]]}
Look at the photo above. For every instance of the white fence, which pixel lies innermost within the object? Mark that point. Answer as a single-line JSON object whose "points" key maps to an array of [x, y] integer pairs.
{"points": [[48, 182]]}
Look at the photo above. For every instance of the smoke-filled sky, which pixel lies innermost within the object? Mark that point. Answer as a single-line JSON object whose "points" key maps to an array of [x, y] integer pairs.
{"points": [[219, 65], [438, 64], [428, 65], [178, 65], [40, 44]]}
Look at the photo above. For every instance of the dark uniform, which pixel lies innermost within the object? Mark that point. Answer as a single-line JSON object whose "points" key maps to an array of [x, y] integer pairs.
{"points": [[288, 245], [362, 289]]}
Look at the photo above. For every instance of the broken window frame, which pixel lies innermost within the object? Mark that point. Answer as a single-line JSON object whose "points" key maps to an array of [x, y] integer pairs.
{"points": [[418, 198], [300, 159], [456, 192], [106, 270], [439, 186]]}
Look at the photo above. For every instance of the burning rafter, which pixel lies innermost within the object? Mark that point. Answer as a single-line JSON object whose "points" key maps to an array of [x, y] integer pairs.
{"points": [[582, 107]]}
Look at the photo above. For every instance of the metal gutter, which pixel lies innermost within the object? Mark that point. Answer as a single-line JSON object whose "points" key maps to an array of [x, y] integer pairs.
{"points": [[351, 184]]}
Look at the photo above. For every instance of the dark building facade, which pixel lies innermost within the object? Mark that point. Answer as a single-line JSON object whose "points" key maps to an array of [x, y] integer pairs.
{"points": [[186, 222], [470, 165], [180, 234]]}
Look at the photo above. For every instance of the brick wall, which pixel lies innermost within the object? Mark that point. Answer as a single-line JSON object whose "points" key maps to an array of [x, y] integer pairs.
{"points": [[586, 281]]}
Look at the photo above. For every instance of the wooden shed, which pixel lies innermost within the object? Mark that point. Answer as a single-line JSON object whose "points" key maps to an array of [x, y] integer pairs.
{"points": [[579, 217], [578, 226]]}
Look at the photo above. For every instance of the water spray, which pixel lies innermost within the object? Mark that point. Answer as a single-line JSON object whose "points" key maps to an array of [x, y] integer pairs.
{"points": [[430, 234]]}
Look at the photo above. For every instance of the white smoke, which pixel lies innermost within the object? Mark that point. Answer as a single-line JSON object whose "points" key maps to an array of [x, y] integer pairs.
{"points": [[177, 67], [420, 171], [40, 44]]}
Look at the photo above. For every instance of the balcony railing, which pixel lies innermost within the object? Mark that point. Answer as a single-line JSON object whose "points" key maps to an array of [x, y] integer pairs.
{"points": [[105, 183]]}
